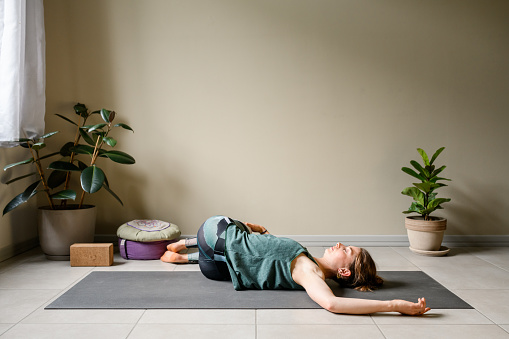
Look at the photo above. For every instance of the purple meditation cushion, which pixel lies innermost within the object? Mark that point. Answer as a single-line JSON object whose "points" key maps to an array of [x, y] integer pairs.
{"points": [[137, 250]]}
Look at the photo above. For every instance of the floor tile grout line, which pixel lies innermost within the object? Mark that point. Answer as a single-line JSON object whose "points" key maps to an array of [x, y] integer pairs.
{"points": [[256, 323], [136, 324], [28, 315], [484, 315], [69, 286], [503, 329], [45, 302], [489, 262], [8, 330], [402, 256], [380, 330]]}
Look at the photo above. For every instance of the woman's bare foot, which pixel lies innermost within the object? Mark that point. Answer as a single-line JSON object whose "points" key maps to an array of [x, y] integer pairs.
{"points": [[175, 258], [177, 246]]}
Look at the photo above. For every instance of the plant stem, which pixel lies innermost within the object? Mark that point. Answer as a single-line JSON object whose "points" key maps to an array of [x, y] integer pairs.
{"points": [[41, 174], [97, 148], [82, 198], [76, 141]]}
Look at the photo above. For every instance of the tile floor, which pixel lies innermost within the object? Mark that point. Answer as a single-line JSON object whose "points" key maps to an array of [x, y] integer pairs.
{"points": [[480, 276]]}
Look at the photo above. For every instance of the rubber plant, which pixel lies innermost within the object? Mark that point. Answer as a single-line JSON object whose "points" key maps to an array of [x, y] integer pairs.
{"points": [[56, 185], [424, 195]]}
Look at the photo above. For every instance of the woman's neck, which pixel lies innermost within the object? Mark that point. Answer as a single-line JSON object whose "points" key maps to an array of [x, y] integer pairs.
{"points": [[325, 267]]}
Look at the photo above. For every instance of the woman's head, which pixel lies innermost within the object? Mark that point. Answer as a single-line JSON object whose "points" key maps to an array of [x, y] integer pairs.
{"points": [[361, 273]]}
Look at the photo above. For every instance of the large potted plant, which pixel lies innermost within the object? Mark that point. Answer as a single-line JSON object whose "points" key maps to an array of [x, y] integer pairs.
{"points": [[426, 232], [60, 223]]}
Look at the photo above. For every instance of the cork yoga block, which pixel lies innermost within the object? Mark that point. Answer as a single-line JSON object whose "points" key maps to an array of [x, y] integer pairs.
{"points": [[92, 254]]}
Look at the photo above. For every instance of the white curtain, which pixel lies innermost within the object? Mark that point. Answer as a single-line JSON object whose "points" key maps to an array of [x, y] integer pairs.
{"points": [[22, 70]]}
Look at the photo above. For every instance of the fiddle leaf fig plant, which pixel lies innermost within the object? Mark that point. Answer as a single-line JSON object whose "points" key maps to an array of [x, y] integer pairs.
{"points": [[92, 178], [424, 195]]}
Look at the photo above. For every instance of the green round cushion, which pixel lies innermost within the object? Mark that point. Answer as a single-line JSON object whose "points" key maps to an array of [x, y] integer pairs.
{"points": [[148, 230]]}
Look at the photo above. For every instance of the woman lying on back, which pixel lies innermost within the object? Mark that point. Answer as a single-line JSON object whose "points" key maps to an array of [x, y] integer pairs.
{"points": [[229, 251]]}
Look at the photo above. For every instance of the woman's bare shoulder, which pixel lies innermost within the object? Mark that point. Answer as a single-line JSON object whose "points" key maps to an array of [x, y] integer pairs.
{"points": [[303, 266]]}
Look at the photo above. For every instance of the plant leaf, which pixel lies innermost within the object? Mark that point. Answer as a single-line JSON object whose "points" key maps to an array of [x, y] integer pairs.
{"points": [[424, 156], [107, 188], [426, 186], [45, 136], [64, 195], [98, 135], [86, 137], [66, 151], [418, 167], [38, 146], [19, 178], [67, 119], [63, 166], [112, 116], [56, 178], [435, 156], [430, 168], [21, 198], [106, 115], [82, 165], [81, 109], [433, 204], [110, 141], [24, 162], [18, 200], [83, 149], [92, 179], [106, 180], [437, 178], [124, 126], [98, 126], [120, 157], [414, 207], [437, 171], [413, 173], [415, 193]]}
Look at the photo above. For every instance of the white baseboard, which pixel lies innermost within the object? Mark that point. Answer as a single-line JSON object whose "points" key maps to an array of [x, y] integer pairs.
{"points": [[372, 240]]}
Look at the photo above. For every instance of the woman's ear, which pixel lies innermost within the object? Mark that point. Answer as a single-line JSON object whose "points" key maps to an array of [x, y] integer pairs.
{"points": [[344, 272]]}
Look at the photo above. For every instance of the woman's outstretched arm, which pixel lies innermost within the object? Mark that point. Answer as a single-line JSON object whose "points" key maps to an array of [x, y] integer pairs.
{"points": [[320, 292]]}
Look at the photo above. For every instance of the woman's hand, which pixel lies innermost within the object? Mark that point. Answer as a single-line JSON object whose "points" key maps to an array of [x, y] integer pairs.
{"points": [[257, 228], [410, 308]]}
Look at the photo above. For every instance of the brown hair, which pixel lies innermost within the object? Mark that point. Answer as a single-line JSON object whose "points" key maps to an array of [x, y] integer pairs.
{"points": [[363, 275]]}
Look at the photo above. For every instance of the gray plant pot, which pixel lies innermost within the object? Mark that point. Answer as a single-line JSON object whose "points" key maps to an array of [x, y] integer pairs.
{"points": [[60, 228]]}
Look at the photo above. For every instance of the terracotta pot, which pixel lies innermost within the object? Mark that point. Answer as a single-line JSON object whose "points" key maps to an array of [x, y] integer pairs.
{"points": [[60, 228], [425, 235]]}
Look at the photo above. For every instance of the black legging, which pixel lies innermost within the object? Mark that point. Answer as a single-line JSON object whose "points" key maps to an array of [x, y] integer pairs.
{"points": [[210, 241]]}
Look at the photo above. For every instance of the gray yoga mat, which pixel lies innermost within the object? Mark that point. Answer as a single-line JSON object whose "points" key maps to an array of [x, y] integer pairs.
{"points": [[183, 290]]}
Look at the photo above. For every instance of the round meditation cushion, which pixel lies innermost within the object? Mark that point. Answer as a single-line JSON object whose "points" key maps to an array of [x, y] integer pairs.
{"points": [[148, 230], [136, 250], [146, 239]]}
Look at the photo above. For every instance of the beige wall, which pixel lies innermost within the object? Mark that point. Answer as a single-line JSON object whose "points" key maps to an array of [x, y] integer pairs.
{"points": [[18, 229], [294, 114]]}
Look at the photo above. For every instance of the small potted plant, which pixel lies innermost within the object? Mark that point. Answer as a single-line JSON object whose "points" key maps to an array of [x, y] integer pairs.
{"points": [[61, 224], [426, 232]]}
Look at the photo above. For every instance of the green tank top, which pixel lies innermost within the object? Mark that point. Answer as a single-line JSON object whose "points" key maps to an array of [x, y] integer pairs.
{"points": [[261, 261]]}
